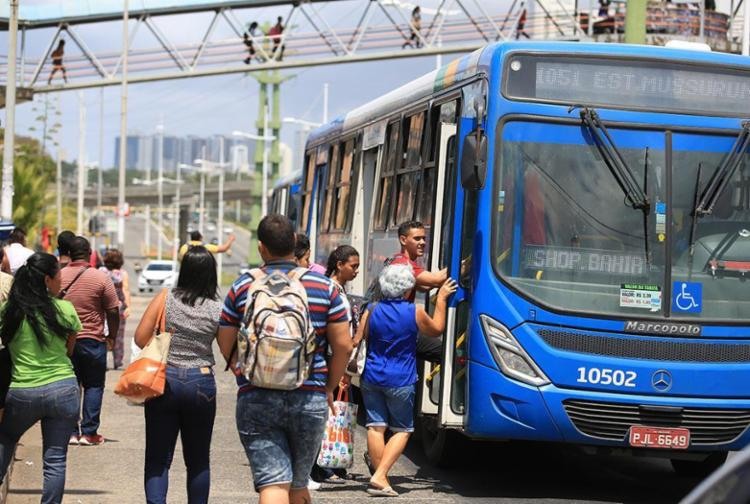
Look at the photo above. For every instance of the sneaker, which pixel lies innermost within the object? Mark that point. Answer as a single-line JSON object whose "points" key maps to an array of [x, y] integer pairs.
{"points": [[74, 440], [91, 439], [313, 485]]}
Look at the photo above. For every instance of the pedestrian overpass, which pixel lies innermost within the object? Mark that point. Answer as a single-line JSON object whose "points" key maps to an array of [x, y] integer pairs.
{"points": [[317, 32]]}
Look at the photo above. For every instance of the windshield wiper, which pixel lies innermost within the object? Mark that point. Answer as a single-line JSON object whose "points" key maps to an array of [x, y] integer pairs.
{"points": [[635, 196], [723, 174]]}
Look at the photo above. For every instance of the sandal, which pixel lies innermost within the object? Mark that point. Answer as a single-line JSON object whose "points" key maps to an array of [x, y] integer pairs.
{"points": [[381, 492], [335, 480]]}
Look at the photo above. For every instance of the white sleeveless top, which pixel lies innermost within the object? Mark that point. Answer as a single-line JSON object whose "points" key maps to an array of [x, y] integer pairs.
{"points": [[17, 255]]}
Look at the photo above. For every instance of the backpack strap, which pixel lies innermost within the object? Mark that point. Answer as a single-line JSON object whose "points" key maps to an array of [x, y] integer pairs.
{"points": [[296, 273]]}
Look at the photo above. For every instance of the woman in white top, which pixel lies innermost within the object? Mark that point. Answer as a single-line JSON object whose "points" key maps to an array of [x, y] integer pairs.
{"points": [[16, 251]]}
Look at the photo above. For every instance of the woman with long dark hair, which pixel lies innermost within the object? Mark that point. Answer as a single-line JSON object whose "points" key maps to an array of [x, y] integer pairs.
{"points": [[188, 406], [39, 331]]}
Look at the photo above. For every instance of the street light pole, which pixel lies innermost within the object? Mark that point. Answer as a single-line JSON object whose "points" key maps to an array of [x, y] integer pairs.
{"points": [[81, 162], [176, 247], [123, 131], [160, 189], [58, 183], [264, 196], [99, 175], [6, 199], [221, 206]]}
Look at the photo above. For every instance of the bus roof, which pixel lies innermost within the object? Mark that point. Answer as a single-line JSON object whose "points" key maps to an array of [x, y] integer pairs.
{"points": [[479, 62], [292, 178]]}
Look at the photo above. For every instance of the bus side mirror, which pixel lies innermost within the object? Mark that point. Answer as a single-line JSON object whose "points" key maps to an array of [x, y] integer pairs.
{"points": [[474, 162]]}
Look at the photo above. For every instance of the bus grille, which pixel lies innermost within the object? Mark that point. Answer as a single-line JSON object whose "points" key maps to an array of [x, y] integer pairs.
{"points": [[649, 348], [612, 421]]}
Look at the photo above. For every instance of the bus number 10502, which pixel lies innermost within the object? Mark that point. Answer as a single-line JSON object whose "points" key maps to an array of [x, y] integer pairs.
{"points": [[616, 377]]}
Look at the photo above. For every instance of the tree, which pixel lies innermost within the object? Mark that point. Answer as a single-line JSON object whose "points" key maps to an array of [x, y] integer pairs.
{"points": [[33, 172]]}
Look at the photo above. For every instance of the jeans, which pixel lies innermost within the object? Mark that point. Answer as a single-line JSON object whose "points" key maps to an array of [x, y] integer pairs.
{"points": [[90, 363], [56, 405], [281, 431], [188, 407], [391, 407]]}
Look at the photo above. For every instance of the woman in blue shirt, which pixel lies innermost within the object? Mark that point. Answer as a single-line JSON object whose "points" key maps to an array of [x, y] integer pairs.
{"points": [[388, 381]]}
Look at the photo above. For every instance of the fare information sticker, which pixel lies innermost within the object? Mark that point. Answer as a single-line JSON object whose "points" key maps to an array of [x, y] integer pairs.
{"points": [[640, 296]]}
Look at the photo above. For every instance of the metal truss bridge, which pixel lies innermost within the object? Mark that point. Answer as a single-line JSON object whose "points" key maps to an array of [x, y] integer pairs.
{"points": [[316, 32]]}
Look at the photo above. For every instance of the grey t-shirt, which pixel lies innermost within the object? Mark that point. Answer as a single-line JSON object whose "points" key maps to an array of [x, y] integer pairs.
{"points": [[193, 331]]}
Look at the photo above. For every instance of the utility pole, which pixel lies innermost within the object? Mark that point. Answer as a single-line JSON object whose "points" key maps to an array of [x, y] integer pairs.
{"points": [[176, 247], [635, 22], [325, 103], [123, 131], [81, 161], [6, 199]]}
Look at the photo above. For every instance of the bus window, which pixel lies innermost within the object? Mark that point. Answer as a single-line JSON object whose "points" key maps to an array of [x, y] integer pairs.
{"points": [[330, 188], [409, 179], [343, 188], [386, 177], [309, 179]]}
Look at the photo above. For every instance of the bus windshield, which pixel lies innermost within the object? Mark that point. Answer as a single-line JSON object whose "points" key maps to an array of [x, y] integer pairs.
{"points": [[565, 236]]}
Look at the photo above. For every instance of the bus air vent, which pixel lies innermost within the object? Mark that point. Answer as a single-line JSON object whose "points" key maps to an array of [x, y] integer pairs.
{"points": [[646, 347], [612, 421]]}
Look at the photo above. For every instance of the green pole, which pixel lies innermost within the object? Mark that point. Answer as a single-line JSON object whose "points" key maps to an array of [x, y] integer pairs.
{"points": [[635, 22]]}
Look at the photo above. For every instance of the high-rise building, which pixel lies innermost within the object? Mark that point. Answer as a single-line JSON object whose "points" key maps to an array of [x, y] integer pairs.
{"points": [[142, 151]]}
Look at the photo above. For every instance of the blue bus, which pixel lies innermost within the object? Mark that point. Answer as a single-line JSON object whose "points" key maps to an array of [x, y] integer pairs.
{"points": [[593, 200], [286, 196]]}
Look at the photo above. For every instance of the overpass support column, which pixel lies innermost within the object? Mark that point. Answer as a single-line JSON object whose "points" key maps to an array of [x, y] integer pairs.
{"points": [[635, 22]]}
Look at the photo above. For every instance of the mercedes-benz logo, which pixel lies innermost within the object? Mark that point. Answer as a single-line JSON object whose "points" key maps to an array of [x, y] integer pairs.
{"points": [[661, 380]]}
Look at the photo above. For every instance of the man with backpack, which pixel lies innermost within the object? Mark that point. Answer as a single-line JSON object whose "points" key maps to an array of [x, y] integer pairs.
{"points": [[276, 325]]}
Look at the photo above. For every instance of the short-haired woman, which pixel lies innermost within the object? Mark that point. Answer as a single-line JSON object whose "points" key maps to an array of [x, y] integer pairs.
{"points": [[113, 262], [388, 381], [188, 406], [39, 330]]}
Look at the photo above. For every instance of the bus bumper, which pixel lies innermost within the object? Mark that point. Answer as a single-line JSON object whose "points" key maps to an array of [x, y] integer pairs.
{"points": [[501, 408]]}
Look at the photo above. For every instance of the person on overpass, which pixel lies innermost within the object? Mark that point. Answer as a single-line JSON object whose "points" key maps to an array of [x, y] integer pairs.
{"points": [[57, 62], [275, 34], [416, 27], [196, 238], [248, 37]]}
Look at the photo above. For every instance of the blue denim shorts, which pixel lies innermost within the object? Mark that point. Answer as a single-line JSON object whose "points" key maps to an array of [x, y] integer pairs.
{"points": [[391, 407], [281, 432]]}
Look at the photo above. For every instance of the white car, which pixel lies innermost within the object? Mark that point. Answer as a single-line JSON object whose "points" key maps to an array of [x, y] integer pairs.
{"points": [[157, 275]]}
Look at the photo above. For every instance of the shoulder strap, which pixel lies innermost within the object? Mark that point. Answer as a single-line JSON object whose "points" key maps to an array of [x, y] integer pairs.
{"points": [[161, 322], [64, 291], [296, 273]]}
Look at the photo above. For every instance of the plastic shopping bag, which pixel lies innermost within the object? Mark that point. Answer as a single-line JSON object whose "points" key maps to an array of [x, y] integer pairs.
{"points": [[337, 448]]}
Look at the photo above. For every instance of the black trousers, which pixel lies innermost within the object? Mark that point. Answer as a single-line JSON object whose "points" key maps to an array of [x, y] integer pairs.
{"points": [[430, 349]]}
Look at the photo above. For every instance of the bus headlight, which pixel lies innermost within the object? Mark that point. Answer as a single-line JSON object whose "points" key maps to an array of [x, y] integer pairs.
{"points": [[513, 360]]}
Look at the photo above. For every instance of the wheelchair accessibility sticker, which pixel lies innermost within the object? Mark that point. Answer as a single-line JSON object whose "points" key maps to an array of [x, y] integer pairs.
{"points": [[687, 297]]}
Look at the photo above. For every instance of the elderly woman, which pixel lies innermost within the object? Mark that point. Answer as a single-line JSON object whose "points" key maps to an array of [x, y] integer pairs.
{"points": [[388, 381]]}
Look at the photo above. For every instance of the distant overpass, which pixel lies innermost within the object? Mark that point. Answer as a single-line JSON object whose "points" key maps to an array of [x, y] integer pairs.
{"points": [[137, 195]]}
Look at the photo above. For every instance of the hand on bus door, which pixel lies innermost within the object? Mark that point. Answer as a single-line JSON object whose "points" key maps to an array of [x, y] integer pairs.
{"points": [[447, 289]]}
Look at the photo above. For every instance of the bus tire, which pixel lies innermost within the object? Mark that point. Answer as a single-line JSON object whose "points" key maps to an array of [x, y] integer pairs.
{"points": [[702, 468], [440, 446]]}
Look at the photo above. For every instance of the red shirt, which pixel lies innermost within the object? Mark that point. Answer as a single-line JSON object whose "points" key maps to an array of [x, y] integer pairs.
{"points": [[403, 258], [92, 295]]}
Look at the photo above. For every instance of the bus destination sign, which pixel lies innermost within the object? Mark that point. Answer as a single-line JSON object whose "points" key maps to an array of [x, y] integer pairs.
{"points": [[630, 84]]}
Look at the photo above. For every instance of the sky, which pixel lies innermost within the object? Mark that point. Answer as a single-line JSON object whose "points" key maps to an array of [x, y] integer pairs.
{"points": [[217, 105], [209, 105]]}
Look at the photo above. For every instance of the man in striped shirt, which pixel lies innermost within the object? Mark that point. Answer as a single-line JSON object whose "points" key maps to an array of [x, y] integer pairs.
{"points": [[281, 430], [94, 297]]}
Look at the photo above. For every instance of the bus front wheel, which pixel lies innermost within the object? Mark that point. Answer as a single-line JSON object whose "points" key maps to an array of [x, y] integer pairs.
{"points": [[700, 468], [441, 446]]}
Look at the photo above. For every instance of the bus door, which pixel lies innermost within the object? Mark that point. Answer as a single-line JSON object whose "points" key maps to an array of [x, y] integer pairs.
{"points": [[442, 224], [373, 138]]}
